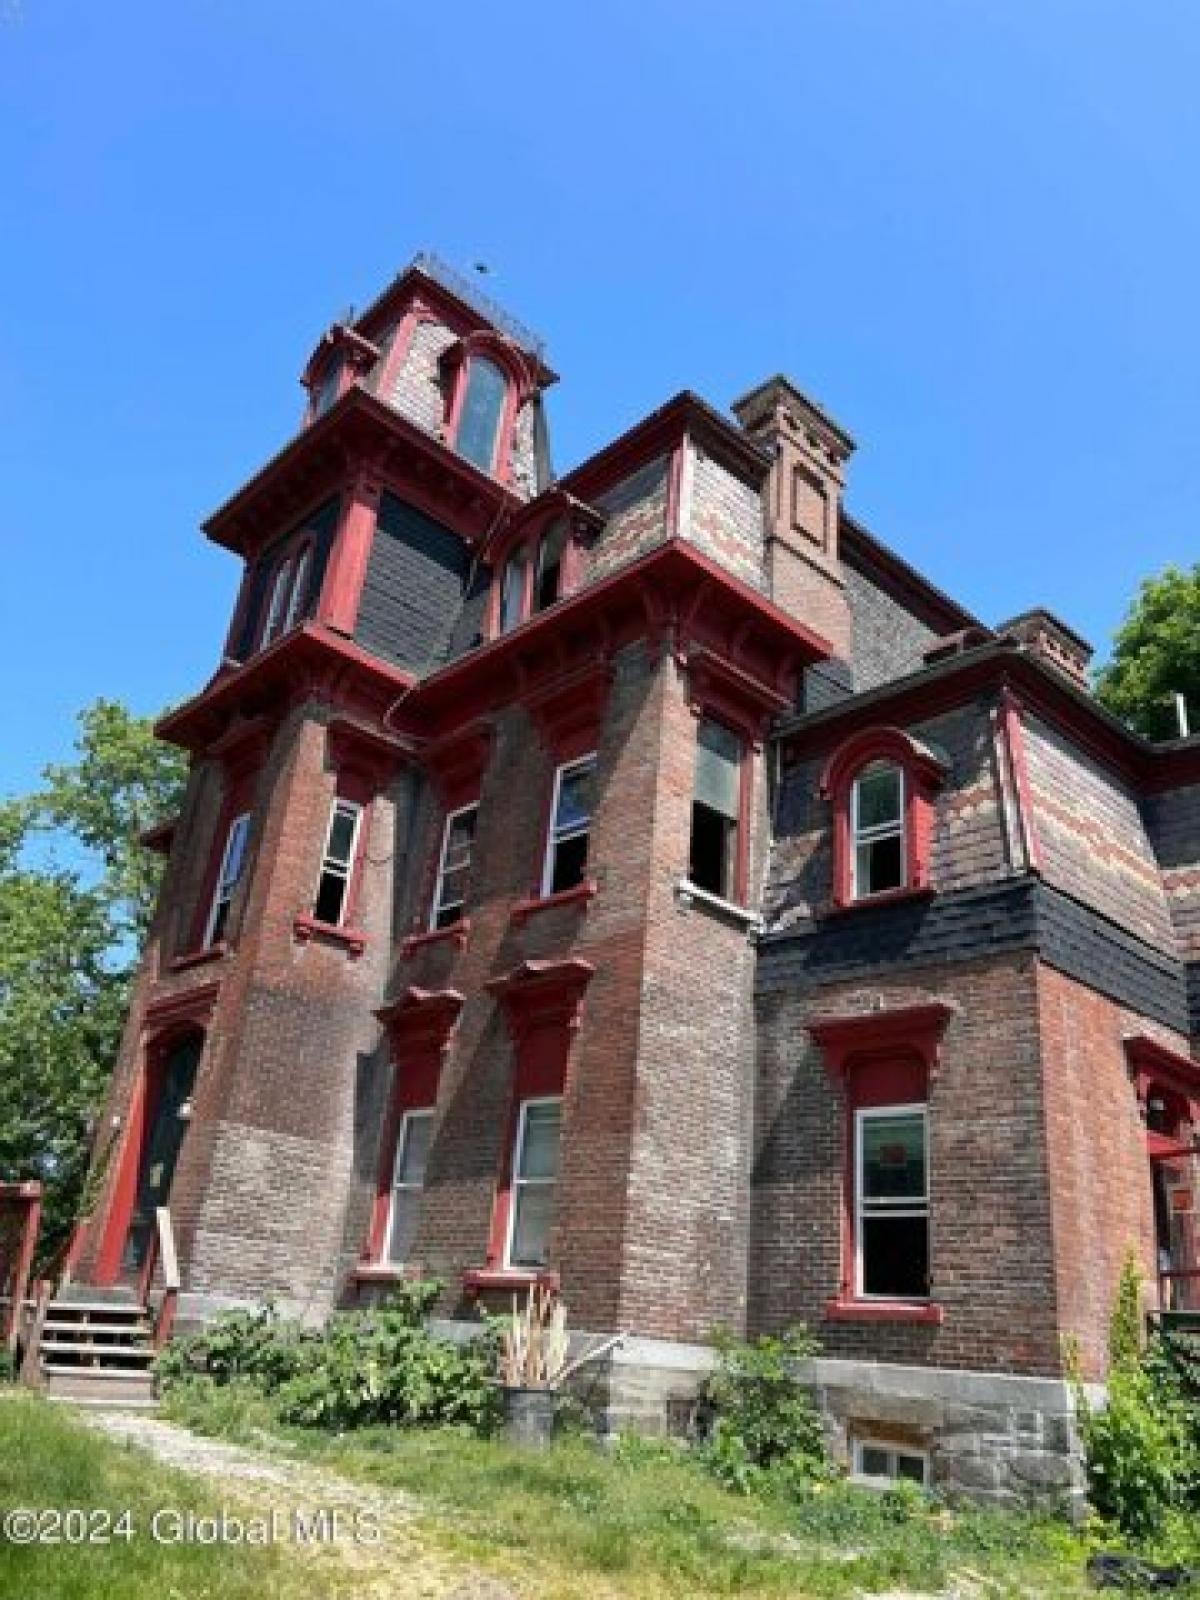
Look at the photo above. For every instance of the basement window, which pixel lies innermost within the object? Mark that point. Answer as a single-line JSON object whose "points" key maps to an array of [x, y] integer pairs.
{"points": [[892, 1193], [570, 826], [714, 857], [454, 868], [408, 1184], [877, 821], [882, 1465], [337, 863], [534, 1183]]}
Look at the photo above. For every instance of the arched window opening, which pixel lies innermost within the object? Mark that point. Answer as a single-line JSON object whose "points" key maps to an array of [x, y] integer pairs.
{"points": [[547, 587], [512, 593], [877, 824], [482, 412]]}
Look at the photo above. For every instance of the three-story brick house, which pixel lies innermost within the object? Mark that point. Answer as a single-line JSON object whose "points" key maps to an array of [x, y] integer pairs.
{"points": [[643, 879]]}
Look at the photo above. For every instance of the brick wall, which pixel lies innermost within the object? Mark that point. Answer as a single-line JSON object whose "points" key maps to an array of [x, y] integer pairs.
{"points": [[726, 519], [635, 519], [1098, 1169], [990, 1212], [1094, 841]]}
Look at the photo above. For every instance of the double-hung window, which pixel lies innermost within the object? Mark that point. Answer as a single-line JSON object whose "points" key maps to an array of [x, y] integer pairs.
{"points": [[512, 590], [716, 810], [408, 1184], [877, 821], [454, 868], [892, 1195], [534, 1183], [337, 863], [482, 412], [570, 826], [229, 874]]}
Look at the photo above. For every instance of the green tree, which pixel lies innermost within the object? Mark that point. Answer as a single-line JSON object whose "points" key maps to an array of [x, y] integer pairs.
{"points": [[75, 898], [1157, 656]]}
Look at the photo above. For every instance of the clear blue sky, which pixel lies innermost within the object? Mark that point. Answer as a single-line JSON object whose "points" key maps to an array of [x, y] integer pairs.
{"points": [[970, 227]]}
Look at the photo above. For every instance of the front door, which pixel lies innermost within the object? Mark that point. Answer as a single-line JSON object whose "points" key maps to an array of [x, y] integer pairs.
{"points": [[169, 1091]]}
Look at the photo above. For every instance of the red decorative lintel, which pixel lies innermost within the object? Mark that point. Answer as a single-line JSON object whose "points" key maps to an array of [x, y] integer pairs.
{"points": [[193, 1006], [543, 994], [421, 1018], [735, 696], [568, 712], [368, 755], [1152, 1063], [456, 765], [916, 1028]]}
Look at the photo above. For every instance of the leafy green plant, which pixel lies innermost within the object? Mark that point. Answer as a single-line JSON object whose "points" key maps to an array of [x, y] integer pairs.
{"points": [[764, 1424], [8, 1366], [1140, 1448], [362, 1368]]}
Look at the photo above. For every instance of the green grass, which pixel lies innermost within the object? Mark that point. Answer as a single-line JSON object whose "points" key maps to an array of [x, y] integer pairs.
{"points": [[49, 1460], [645, 1520]]}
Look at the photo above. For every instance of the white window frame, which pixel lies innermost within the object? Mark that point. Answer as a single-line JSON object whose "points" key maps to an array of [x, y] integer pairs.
{"points": [[301, 565], [406, 1121], [516, 1182], [225, 888], [553, 836], [336, 868], [438, 906], [880, 831], [278, 601], [901, 1208], [893, 1451]]}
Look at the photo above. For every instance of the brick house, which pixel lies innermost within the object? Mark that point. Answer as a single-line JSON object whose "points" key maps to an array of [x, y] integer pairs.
{"points": [[643, 879]]}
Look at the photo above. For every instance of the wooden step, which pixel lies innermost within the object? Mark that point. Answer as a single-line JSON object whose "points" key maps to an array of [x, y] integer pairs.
{"points": [[99, 1330], [116, 1311], [124, 1352], [102, 1387]]}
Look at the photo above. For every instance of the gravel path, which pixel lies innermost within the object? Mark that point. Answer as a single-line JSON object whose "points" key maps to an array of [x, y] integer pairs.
{"points": [[388, 1558]]}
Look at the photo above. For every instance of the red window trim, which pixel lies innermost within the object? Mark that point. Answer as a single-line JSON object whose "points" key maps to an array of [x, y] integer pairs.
{"points": [[543, 1007], [420, 1029], [878, 1058], [741, 862], [922, 776], [241, 763], [456, 363]]}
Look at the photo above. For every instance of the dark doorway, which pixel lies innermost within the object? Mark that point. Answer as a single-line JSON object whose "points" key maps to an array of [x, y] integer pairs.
{"points": [[169, 1089]]}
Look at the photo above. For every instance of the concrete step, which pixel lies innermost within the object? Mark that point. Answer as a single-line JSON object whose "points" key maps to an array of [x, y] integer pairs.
{"points": [[104, 1387]]}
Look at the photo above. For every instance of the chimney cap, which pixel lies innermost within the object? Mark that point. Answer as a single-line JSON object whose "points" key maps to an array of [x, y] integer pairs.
{"points": [[1049, 638], [760, 406]]}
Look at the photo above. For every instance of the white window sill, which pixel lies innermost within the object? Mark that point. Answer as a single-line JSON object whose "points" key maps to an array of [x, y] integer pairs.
{"points": [[689, 894]]}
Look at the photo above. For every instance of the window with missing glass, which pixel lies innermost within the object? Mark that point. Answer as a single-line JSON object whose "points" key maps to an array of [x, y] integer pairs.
{"points": [[534, 1183], [408, 1184], [716, 810], [454, 867], [570, 826], [547, 583], [512, 590], [482, 412], [892, 1202], [877, 825], [229, 874], [337, 863]]}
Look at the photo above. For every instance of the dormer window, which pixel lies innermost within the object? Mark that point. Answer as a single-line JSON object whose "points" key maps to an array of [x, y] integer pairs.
{"points": [[512, 591], [533, 577], [481, 412], [547, 584], [881, 785], [289, 586]]}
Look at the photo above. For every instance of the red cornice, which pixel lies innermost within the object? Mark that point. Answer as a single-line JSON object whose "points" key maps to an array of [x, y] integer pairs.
{"points": [[543, 994], [675, 594], [359, 432], [659, 433], [950, 684], [421, 1018], [191, 1006], [1151, 1062], [310, 661]]}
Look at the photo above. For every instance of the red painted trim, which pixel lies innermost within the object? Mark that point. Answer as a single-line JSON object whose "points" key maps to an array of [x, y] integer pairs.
{"points": [[345, 573], [569, 713], [923, 775], [543, 1006], [886, 898], [484, 1280], [456, 765], [1152, 1064], [401, 348], [917, 1028], [420, 1028], [521, 384], [847, 1310], [1014, 741], [579, 895], [456, 933], [28, 1196], [305, 927], [199, 958], [674, 479]]}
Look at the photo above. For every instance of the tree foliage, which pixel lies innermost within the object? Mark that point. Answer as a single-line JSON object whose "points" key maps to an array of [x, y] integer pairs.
{"points": [[75, 899], [1157, 656]]}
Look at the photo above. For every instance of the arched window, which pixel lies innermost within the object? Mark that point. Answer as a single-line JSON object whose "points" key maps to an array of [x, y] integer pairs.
{"points": [[547, 585], [299, 591], [877, 822], [482, 412], [881, 784], [512, 592]]}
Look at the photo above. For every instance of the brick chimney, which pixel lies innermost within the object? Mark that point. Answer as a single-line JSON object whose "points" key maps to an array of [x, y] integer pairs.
{"points": [[802, 501], [1048, 638]]}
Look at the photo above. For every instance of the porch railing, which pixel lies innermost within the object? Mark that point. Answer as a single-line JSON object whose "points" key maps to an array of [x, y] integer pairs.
{"points": [[20, 1220]]}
